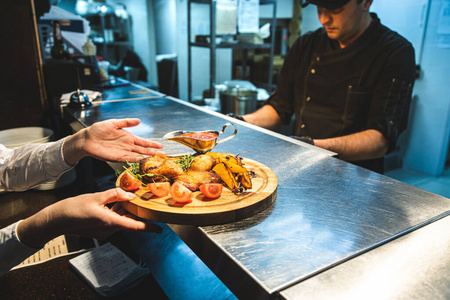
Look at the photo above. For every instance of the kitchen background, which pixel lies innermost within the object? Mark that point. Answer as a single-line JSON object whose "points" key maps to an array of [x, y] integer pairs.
{"points": [[157, 31]]}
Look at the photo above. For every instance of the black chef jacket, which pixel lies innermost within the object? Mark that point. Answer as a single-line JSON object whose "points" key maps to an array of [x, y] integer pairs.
{"points": [[335, 92]]}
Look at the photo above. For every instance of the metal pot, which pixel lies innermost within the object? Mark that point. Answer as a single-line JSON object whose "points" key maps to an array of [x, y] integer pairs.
{"points": [[240, 97]]}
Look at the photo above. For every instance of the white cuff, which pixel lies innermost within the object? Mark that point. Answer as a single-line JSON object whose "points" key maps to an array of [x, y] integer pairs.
{"points": [[12, 250]]}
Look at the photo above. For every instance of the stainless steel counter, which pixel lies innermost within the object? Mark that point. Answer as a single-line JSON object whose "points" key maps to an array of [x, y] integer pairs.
{"points": [[129, 91], [327, 211], [415, 266]]}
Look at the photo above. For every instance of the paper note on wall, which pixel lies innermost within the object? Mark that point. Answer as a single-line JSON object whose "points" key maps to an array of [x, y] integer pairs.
{"points": [[226, 16], [248, 16], [443, 28]]}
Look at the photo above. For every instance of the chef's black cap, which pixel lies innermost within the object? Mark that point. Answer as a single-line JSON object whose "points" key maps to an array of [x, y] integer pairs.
{"points": [[330, 4]]}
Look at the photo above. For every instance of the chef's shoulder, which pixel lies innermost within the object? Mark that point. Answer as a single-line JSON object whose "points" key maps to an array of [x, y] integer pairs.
{"points": [[399, 51], [311, 41], [393, 41]]}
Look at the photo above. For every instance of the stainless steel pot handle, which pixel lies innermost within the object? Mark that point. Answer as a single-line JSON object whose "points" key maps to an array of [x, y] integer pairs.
{"points": [[231, 136]]}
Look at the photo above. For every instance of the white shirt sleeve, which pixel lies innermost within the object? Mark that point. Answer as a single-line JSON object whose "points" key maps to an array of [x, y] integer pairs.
{"points": [[12, 250], [25, 167]]}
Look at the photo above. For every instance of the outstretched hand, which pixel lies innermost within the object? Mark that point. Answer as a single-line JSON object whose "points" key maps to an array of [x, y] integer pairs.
{"points": [[85, 215], [109, 141]]}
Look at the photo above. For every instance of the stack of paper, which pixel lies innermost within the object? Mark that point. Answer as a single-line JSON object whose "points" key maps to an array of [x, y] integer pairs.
{"points": [[108, 270]]}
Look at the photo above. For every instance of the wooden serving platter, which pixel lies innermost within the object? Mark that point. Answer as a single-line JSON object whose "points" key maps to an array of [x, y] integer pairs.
{"points": [[229, 207]]}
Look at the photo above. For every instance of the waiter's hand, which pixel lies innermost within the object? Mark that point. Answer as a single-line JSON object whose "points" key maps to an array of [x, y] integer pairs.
{"points": [[85, 215], [109, 141]]}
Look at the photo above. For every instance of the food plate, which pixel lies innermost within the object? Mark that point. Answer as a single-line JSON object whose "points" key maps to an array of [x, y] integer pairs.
{"points": [[229, 207]]}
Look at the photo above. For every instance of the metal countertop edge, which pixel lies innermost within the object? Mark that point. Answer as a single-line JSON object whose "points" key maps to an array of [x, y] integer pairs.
{"points": [[201, 240], [129, 99]]}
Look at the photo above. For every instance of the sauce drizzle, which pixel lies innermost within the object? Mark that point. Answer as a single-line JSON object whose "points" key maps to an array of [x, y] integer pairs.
{"points": [[200, 135]]}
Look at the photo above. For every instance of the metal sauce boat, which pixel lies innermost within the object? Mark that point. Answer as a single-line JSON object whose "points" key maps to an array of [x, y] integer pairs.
{"points": [[199, 145]]}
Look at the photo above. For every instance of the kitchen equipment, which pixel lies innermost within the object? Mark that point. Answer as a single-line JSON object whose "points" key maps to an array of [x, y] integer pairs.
{"points": [[239, 97], [199, 141]]}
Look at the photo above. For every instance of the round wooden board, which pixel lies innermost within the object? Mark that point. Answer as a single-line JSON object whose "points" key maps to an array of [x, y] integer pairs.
{"points": [[229, 207]]}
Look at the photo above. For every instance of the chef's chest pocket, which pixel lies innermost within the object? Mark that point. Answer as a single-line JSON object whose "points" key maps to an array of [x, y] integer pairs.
{"points": [[357, 102]]}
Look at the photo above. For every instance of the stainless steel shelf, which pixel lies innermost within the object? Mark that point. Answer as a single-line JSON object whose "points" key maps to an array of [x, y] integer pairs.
{"points": [[212, 46]]}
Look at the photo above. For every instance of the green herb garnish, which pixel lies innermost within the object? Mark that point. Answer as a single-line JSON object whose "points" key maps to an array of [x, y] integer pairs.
{"points": [[185, 161]]}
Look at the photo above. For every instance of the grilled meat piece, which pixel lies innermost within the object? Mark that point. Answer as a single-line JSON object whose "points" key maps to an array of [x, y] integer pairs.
{"points": [[202, 163], [161, 165], [199, 172], [193, 179]]}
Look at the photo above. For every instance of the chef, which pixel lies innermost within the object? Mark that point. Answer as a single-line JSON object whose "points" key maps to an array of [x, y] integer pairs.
{"points": [[348, 84]]}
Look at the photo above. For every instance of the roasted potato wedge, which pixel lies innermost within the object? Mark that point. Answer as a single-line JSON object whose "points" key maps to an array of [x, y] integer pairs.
{"points": [[230, 163], [230, 169], [226, 176], [228, 156], [234, 159], [245, 180]]}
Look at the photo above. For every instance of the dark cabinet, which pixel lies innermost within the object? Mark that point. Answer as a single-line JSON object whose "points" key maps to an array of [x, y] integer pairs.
{"points": [[22, 92]]}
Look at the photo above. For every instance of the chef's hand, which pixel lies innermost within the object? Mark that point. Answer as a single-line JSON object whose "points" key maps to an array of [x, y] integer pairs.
{"points": [[108, 141], [85, 215], [236, 116], [305, 139]]}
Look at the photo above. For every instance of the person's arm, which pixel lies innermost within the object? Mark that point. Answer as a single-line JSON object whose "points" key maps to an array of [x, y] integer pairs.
{"points": [[24, 167], [368, 144], [85, 215], [27, 166], [12, 251], [265, 117], [279, 108], [388, 110], [391, 98]]}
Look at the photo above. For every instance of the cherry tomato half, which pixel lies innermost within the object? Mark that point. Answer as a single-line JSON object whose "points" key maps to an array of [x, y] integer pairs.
{"points": [[129, 182], [159, 189], [180, 193], [211, 190]]}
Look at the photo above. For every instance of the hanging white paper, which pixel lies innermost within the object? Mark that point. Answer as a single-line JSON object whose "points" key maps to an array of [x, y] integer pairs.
{"points": [[226, 16], [248, 16]]}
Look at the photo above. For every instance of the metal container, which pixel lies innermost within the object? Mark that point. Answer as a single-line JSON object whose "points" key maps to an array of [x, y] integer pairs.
{"points": [[240, 97]]}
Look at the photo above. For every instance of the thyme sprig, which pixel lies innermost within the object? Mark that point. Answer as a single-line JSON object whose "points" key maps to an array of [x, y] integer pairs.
{"points": [[133, 168], [185, 161]]}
